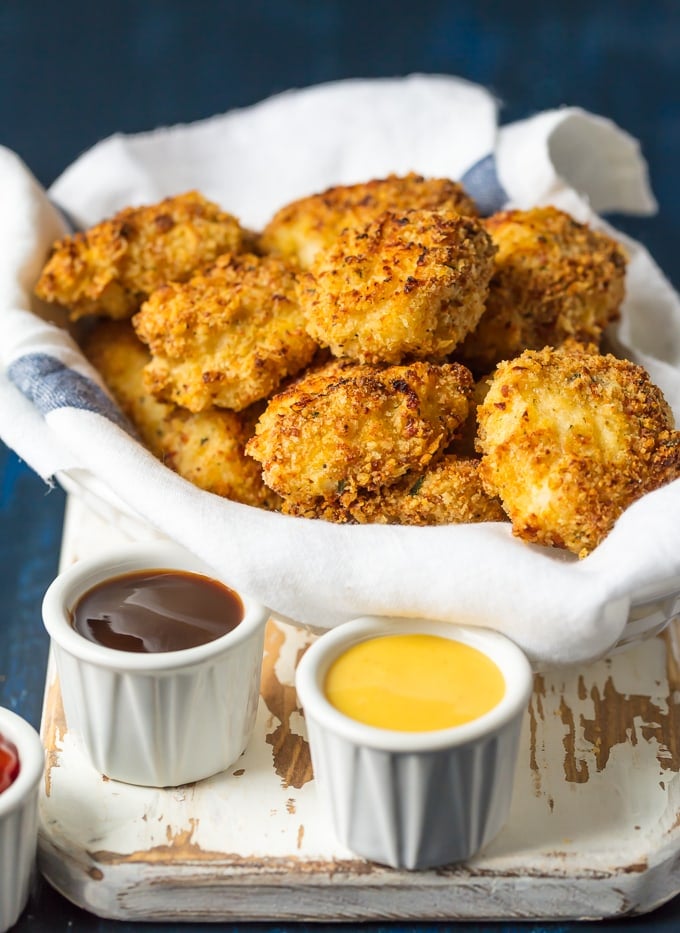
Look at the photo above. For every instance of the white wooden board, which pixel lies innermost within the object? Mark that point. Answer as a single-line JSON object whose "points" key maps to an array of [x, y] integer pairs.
{"points": [[594, 828]]}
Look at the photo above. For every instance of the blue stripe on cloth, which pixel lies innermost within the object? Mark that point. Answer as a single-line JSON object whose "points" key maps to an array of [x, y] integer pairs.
{"points": [[50, 385], [483, 185]]}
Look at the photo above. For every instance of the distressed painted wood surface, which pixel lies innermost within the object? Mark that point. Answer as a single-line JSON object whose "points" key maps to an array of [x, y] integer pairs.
{"points": [[593, 830]]}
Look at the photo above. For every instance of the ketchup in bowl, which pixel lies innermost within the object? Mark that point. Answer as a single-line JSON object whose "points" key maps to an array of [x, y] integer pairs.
{"points": [[9, 763]]}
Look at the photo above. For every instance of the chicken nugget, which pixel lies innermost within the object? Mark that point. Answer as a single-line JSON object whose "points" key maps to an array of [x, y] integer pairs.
{"points": [[207, 449], [407, 285], [301, 229], [347, 427], [569, 439], [227, 337], [119, 356], [554, 279], [111, 268], [448, 492]]}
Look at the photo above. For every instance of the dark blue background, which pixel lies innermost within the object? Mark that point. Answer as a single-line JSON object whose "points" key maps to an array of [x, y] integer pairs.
{"points": [[73, 72]]}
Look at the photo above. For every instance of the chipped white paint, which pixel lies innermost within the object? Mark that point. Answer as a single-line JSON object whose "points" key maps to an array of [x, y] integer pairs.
{"points": [[296, 640], [296, 724], [242, 845]]}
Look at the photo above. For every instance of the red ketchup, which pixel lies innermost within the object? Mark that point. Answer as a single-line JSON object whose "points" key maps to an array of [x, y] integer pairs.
{"points": [[9, 763]]}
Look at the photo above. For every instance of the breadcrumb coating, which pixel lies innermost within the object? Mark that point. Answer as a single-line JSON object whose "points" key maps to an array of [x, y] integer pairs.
{"points": [[301, 229], [348, 427], [570, 439], [207, 449], [227, 337], [554, 279], [448, 492], [665, 464], [119, 357], [407, 285], [111, 268]]}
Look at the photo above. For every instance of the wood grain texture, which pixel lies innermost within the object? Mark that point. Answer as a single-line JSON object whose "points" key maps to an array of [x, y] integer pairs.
{"points": [[593, 829]]}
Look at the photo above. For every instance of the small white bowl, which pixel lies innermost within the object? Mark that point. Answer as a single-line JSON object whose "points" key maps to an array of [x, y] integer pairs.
{"points": [[19, 818], [414, 799], [155, 719]]}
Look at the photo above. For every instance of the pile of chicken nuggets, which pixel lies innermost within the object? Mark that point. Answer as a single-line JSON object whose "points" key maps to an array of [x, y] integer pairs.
{"points": [[378, 353]]}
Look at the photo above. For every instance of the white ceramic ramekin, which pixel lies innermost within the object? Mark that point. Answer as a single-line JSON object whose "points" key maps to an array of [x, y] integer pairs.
{"points": [[158, 719], [19, 818], [414, 799]]}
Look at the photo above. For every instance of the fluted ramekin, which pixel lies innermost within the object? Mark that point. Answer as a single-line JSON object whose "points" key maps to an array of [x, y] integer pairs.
{"points": [[414, 799], [157, 719], [19, 818]]}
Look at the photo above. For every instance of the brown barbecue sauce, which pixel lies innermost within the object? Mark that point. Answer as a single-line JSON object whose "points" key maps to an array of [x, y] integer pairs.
{"points": [[156, 610]]}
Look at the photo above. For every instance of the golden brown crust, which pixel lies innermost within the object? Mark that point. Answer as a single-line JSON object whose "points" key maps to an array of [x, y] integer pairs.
{"points": [[348, 426], [665, 464], [207, 449], [112, 267], [301, 229], [119, 356], [227, 337], [407, 285], [569, 440], [448, 492], [554, 279]]}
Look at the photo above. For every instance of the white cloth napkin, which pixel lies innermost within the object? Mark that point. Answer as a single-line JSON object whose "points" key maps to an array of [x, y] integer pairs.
{"points": [[56, 414]]}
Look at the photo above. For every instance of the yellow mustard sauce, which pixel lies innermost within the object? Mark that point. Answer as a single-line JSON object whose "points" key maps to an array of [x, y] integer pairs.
{"points": [[413, 683]]}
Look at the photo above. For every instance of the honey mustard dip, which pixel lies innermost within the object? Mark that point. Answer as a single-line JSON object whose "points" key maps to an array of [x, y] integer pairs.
{"points": [[413, 683]]}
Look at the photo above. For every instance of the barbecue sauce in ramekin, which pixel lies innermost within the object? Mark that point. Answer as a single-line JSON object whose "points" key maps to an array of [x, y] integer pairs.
{"points": [[149, 611]]}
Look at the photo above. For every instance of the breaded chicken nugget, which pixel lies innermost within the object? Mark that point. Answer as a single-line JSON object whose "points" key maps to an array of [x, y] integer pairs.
{"points": [[206, 449], [347, 427], [569, 439], [408, 285], [111, 268], [448, 492], [300, 229], [554, 278], [120, 357], [227, 337]]}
